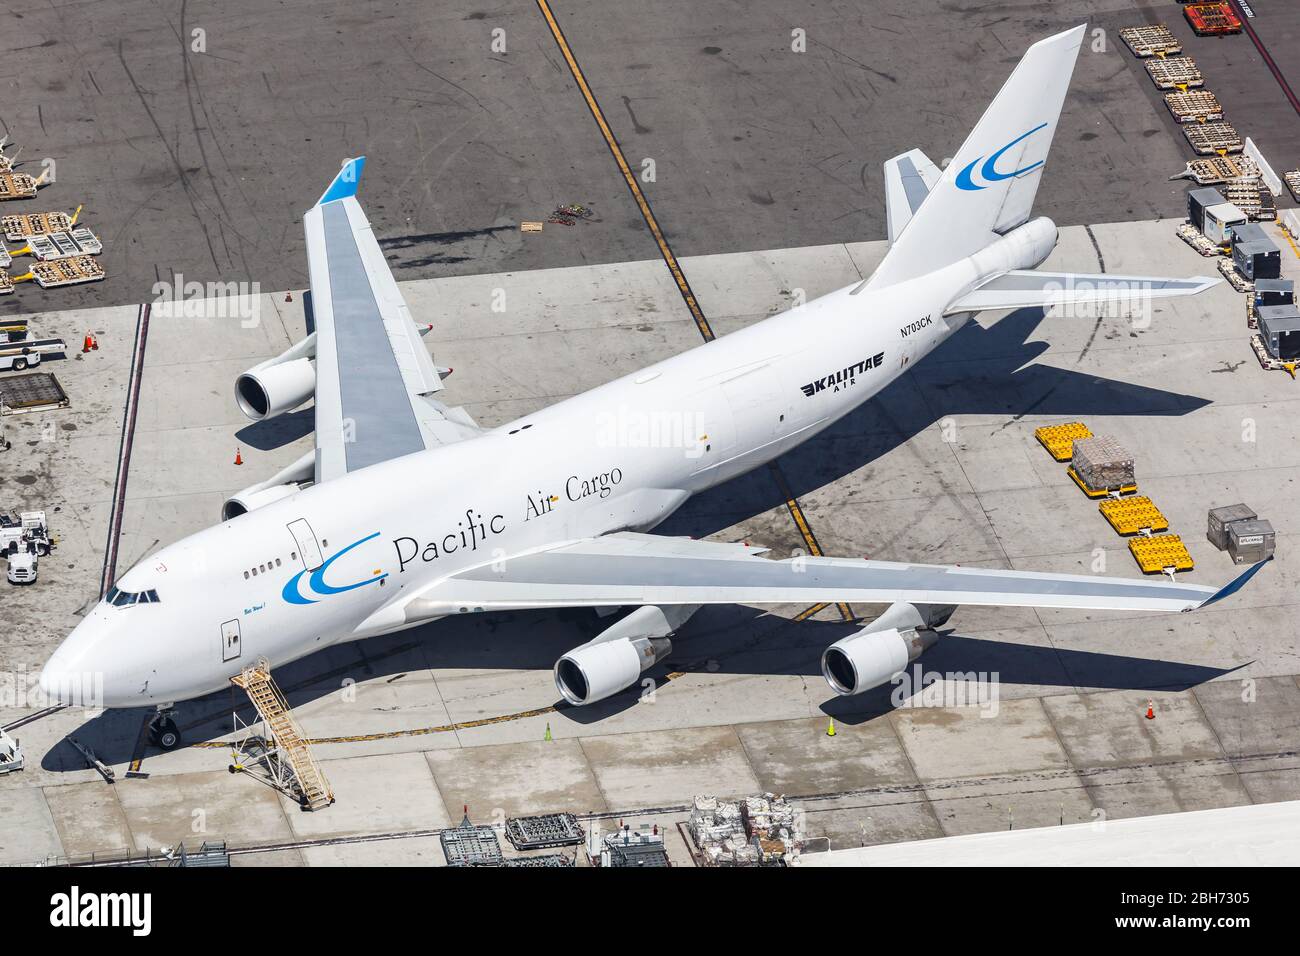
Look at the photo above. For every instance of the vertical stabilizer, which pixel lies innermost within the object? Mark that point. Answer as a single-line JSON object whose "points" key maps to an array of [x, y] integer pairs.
{"points": [[989, 187]]}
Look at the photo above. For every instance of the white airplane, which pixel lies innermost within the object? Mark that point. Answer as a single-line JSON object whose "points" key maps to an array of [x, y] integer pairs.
{"points": [[407, 512]]}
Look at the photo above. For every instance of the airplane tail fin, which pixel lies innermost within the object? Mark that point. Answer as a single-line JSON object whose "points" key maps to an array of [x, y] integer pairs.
{"points": [[989, 187]]}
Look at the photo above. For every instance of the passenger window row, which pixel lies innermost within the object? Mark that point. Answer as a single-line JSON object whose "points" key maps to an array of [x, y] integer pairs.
{"points": [[268, 566]]}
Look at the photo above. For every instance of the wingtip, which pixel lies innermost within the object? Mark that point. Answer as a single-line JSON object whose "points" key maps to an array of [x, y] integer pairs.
{"points": [[346, 182], [1233, 586]]}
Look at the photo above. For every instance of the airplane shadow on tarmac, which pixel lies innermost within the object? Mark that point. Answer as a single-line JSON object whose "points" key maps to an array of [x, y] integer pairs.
{"points": [[984, 371], [717, 644], [979, 371]]}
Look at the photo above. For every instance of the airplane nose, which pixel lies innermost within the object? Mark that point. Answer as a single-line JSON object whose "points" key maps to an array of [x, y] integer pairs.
{"points": [[71, 675]]}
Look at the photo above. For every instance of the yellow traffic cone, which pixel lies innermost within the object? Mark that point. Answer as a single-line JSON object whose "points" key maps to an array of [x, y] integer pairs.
{"points": [[830, 728], [548, 731]]}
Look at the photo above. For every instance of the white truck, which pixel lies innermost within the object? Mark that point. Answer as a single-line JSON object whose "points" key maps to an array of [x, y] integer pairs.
{"points": [[24, 538]]}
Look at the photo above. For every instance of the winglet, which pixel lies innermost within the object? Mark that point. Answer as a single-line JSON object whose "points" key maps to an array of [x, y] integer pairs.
{"points": [[346, 182], [1233, 586]]}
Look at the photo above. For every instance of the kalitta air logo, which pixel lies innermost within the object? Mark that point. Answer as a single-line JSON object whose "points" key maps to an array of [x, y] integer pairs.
{"points": [[844, 377], [916, 326]]}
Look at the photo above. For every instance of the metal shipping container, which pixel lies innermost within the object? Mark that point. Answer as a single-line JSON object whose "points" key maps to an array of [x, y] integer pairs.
{"points": [[1257, 259], [1198, 200], [1251, 541], [1279, 327], [1274, 292], [1220, 518], [1220, 221]]}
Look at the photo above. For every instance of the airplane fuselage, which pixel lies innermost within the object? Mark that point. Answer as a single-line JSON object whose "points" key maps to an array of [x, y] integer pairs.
{"points": [[623, 456]]}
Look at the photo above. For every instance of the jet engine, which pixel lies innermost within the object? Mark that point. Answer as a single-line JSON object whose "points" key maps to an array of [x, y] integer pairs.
{"points": [[613, 661], [1025, 247], [279, 384], [883, 648], [281, 485]]}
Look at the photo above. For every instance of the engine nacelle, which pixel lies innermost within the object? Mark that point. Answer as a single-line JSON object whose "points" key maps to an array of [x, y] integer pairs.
{"points": [[280, 485], [623, 651], [279, 384], [242, 502], [883, 648]]}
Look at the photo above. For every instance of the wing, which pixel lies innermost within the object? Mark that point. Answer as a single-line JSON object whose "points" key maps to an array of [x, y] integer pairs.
{"points": [[908, 180], [374, 378], [633, 569], [1028, 288]]}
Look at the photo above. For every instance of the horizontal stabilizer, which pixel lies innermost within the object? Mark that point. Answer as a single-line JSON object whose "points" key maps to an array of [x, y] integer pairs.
{"points": [[908, 180], [1027, 289]]}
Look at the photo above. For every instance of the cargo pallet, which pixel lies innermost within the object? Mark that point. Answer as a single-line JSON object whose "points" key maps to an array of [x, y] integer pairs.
{"points": [[1252, 198], [1135, 515], [546, 860], [1235, 278], [1194, 106], [1267, 361], [1196, 239], [20, 226], [61, 272], [1211, 19], [19, 186], [1209, 138], [471, 845], [542, 832], [5, 257], [1213, 170], [1292, 180], [62, 245], [6, 284], [1059, 439], [1095, 493], [1174, 73], [1160, 554], [1153, 39], [36, 392]]}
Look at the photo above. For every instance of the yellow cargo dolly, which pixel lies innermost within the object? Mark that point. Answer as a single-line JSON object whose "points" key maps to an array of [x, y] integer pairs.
{"points": [[1136, 515], [1059, 439], [1099, 492], [1160, 554]]}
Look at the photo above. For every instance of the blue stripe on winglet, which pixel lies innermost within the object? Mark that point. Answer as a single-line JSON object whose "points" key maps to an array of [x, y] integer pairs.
{"points": [[1233, 586], [346, 182]]}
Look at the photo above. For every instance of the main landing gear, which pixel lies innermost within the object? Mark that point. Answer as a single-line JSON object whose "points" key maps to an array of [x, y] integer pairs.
{"points": [[163, 730]]}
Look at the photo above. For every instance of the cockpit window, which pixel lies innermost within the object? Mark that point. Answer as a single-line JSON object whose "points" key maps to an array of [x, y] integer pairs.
{"points": [[119, 598]]}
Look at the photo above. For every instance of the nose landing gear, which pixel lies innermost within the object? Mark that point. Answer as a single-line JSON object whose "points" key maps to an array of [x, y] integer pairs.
{"points": [[163, 730]]}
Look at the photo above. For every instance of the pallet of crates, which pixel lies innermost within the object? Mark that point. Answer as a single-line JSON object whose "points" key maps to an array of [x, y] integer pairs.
{"points": [[63, 272], [1152, 39], [1174, 73], [1209, 138], [1292, 180], [6, 283], [1160, 554], [1136, 514], [5, 257], [1059, 439], [1193, 106], [1214, 170], [1235, 278], [1102, 467], [18, 186], [1211, 19], [1196, 239], [21, 226]]}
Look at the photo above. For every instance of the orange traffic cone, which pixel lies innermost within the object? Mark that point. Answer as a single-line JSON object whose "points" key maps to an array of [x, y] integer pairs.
{"points": [[88, 344], [288, 297], [94, 342], [238, 459], [1151, 710]]}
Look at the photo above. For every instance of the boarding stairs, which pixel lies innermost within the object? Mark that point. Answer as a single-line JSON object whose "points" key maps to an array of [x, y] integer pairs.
{"points": [[289, 759]]}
